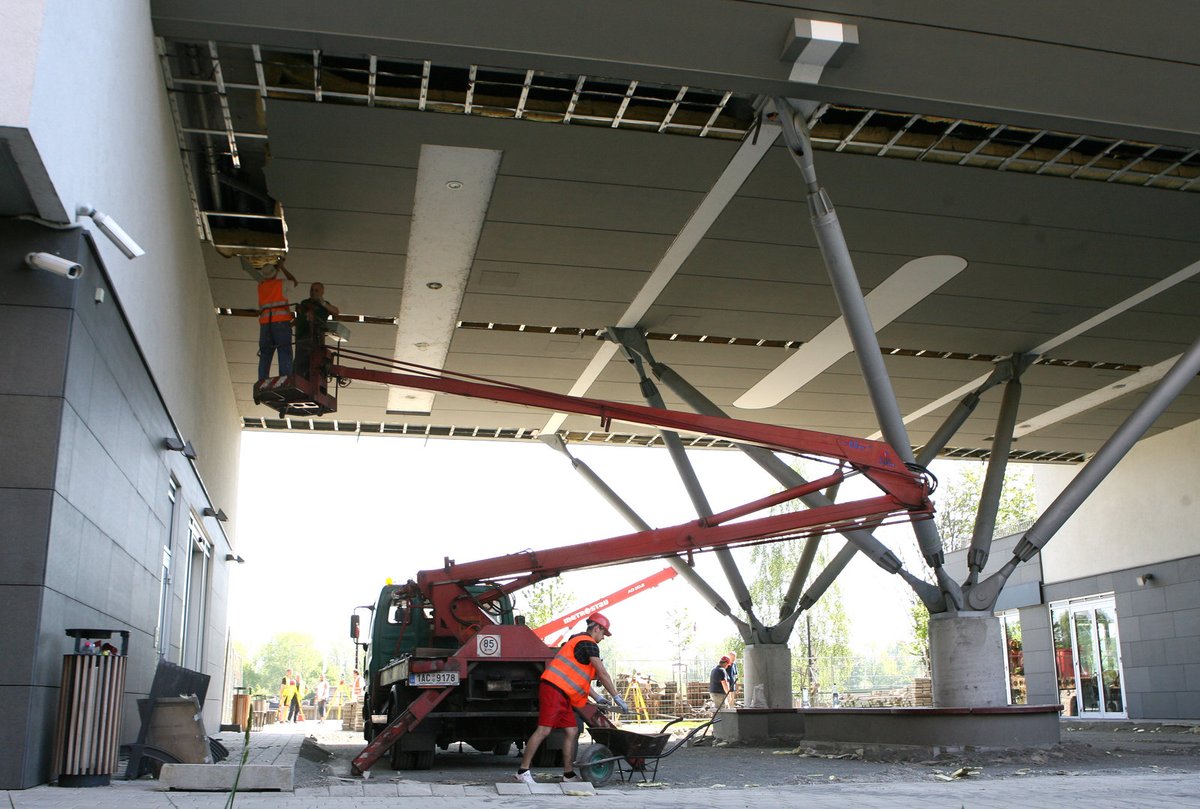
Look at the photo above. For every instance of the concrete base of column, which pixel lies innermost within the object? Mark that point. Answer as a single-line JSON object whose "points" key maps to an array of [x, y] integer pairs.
{"points": [[768, 665], [966, 650]]}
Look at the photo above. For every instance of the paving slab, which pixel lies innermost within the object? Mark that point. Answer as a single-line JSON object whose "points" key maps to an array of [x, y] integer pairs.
{"points": [[210, 777], [513, 788], [546, 789]]}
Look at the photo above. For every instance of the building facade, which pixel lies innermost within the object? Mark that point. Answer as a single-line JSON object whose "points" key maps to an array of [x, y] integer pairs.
{"points": [[103, 526], [1106, 620]]}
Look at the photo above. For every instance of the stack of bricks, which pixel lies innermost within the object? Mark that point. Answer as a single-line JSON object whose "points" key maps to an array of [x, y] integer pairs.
{"points": [[352, 716], [922, 692]]}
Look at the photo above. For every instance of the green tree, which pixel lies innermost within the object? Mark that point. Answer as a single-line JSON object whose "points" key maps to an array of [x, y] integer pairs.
{"points": [[918, 646], [547, 600], [958, 503], [681, 632], [263, 669], [823, 632]]}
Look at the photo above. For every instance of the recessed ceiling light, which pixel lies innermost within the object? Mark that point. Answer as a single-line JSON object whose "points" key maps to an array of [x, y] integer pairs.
{"points": [[434, 285], [454, 185]]}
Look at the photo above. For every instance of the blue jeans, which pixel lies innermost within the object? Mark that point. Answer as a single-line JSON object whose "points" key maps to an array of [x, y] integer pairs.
{"points": [[274, 337]]}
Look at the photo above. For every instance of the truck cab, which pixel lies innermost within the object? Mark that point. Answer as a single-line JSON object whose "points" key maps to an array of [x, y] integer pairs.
{"points": [[492, 706]]}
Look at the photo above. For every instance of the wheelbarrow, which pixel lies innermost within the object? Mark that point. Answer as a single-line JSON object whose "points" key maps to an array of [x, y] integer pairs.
{"points": [[623, 752]]}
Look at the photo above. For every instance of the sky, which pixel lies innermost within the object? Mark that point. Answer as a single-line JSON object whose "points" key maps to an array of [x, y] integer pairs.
{"points": [[357, 510]]}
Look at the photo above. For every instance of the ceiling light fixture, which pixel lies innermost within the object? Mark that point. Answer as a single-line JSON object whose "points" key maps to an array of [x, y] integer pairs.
{"points": [[442, 239]]}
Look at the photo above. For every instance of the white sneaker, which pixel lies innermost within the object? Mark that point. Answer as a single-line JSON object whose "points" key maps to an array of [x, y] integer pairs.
{"points": [[525, 777], [573, 779]]}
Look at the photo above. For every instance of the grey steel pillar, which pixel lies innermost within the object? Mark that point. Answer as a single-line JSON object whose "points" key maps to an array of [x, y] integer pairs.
{"points": [[983, 595], [858, 323], [993, 481]]}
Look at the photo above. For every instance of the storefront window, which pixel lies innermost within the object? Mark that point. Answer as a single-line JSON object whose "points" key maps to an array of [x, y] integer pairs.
{"points": [[1087, 657]]}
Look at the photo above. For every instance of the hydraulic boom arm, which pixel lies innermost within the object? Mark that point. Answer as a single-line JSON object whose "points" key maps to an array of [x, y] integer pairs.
{"points": [[460, 614]]}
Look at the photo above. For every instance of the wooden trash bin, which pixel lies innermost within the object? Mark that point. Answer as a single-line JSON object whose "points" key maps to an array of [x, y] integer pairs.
{"points": [[241, 707], [89, 709]]}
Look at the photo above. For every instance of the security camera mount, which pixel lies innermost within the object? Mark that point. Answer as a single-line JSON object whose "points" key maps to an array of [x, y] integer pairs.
{"points": [[115, 233]]}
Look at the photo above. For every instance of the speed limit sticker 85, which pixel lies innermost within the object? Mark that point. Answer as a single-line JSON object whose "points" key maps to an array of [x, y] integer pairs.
{"points": [[487, 645]]}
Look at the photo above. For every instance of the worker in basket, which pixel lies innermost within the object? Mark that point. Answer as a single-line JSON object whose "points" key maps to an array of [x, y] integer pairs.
{"points": [[566, 684]]}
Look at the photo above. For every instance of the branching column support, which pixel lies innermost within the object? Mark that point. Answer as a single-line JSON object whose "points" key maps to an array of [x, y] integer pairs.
{"points": [[983, 595], [680, 565], [1001, 372], [687, 474], [850, 300], [634, 340]]}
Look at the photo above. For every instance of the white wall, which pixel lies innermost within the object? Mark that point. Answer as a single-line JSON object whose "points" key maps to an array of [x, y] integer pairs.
{"points": [[20, 28], [1147, 510], [100, 120]]}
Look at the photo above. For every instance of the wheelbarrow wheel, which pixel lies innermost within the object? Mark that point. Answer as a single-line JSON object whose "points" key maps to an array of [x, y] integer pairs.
{"points": [[597, 774]]}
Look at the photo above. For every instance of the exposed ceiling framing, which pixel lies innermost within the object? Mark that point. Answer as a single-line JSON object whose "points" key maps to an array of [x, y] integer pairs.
{"points": [[220, 92]]}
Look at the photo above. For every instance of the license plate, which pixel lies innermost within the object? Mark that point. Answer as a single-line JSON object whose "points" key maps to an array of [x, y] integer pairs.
{"points": [[433, 679]]}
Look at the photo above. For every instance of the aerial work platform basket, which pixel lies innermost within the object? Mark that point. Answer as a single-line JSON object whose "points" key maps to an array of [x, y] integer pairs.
{"points": [[294, 395]]}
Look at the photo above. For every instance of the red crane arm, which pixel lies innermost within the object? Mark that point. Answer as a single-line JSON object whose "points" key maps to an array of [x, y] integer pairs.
{"points": [[460, 614], [875, 459], [564, 622]]}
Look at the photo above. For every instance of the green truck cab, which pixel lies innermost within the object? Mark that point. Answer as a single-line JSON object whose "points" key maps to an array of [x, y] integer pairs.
{"points": [[492, 707]]}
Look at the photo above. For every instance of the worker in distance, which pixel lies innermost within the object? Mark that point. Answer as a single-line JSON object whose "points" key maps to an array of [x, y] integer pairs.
{"points": [[566, 684]]}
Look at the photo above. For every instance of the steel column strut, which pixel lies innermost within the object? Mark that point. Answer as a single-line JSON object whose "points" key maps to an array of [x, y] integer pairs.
{"points": [[1001, 372], [850, 300], [993, 482], [983, 595]]}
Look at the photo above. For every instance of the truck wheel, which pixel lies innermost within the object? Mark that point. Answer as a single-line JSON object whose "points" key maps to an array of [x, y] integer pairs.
{"points": [[412, 759], [597, 774]]}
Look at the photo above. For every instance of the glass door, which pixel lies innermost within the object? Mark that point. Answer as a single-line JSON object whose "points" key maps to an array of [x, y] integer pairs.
{"points": [[1088, 657]]}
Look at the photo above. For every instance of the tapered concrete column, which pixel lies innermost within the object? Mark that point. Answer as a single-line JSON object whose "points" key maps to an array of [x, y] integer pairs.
{"points": [[966, 650], [768, 665]]}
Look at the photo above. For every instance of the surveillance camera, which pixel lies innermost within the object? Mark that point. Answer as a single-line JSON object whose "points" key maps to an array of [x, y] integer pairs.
{"points": [[115, 233], [55, 264]]}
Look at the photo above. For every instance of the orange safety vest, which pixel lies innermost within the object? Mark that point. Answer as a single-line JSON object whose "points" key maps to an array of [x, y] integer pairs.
{"points": [[569, 675], [272, 303]]}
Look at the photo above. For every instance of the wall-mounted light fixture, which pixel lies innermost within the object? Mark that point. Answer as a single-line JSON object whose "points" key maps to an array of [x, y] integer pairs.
{"points": [[115, 233], [1144, 579], [179, 445], [220, 514], [229, 557]]}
